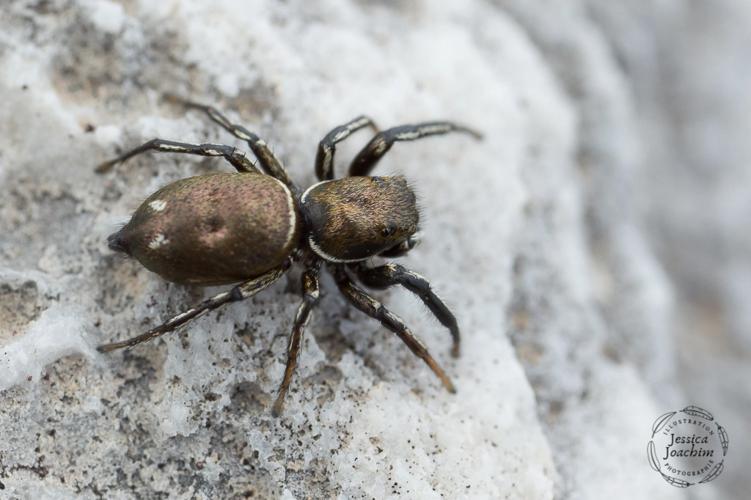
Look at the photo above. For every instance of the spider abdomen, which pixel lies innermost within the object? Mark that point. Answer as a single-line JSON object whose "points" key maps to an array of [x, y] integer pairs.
{"points": [[213, 229], [355, 218]]}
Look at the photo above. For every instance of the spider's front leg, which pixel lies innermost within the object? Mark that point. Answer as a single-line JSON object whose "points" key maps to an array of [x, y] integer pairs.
{"points": [[370, 306], [393, 274], [327, 146], [379, 145]]}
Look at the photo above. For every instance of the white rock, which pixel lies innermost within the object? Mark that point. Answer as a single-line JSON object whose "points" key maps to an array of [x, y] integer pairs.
{"points": [[544, 233]]}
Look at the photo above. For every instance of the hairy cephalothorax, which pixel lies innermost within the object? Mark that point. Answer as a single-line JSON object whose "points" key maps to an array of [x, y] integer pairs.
{"points": [[249, 227]]}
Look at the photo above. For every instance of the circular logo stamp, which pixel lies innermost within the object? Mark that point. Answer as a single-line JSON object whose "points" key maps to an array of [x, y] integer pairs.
{"points": [[687, 446]]}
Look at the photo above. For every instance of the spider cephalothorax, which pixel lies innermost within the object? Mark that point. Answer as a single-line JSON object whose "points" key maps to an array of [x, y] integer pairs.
{"points": [[355, 218], [248, 228]]}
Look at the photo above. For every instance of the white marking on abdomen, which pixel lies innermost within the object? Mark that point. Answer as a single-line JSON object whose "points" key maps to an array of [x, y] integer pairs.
{"points": [[158, 241], [158, 205], [291, 213]]}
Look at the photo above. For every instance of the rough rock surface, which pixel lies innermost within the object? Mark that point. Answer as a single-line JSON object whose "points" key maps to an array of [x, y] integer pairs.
{"points": [[594, 247]]}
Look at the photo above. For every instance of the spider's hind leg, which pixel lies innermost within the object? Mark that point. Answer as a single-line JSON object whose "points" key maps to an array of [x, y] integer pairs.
{"points": [[394, 274], [232, 155], [270, 163], [370, 306], [240, 292]]}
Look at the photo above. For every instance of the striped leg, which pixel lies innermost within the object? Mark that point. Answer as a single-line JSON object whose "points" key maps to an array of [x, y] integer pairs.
{"points": [[394, 274], [310, 298], [266, 158], [370, 306], [233, 155], [327, 146], [371, 154], [240, 292]]}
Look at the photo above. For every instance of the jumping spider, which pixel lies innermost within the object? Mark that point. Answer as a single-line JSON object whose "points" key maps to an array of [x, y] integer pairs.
{"points": [[249, 227]]}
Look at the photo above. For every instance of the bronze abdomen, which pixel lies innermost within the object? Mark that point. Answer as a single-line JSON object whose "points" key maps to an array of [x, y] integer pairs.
{"points": [[213, 229]]}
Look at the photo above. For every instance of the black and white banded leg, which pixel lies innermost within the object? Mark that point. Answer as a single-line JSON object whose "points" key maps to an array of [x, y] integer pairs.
{"points": [[327, 146], [266, 158], [233, 155], [370, 306], [393, 274], [310, 298], [239, 292], [369, 156]]}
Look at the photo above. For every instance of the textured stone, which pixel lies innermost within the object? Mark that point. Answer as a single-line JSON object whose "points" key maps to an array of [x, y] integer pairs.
{"points": [[570, 243]]}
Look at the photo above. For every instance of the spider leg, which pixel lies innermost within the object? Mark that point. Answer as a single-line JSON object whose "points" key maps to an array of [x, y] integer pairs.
{"points": [[233, 155], [266, 158], [393, 274], [239, 292], [370, 306], [371, 154], [310, 298], [327, 146]]}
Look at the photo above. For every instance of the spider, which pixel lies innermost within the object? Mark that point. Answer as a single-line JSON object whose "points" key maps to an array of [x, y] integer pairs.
{"points": [[249, 227]]}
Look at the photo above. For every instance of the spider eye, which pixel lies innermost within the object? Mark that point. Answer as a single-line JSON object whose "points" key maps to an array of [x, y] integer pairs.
{"points": [[388, 230]]}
